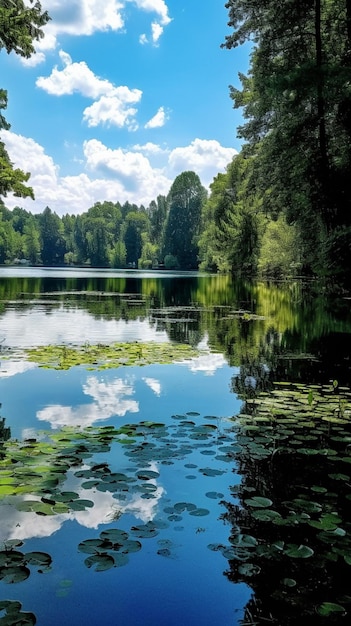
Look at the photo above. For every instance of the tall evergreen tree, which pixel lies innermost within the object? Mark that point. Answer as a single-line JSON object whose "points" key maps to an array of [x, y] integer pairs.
{"points": [[53, 246], [182, 230]]}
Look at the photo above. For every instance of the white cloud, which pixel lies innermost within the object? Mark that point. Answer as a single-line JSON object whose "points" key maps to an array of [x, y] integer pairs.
{"points": [[35, 59], [114, 110], [206, 157], [74, 78], [76, 18], [113, 104], [85, 17], [132, 169], [158, 120], [157, 31], [149, 148], [154, 6], [110, 174]]}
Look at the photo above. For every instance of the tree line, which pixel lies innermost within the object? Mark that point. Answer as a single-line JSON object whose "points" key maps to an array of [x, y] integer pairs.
{"points": [[283, 205], [164, 234]]}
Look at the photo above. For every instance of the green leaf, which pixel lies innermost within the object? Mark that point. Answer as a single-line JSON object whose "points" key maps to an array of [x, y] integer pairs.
{"points": [[100, 562], [298, 552], [328, 608], [258, 502]]}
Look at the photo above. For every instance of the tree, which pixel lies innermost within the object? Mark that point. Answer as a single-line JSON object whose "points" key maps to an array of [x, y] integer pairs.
{"points": [[279, 249], [182, 230], [135, 224], [20, 25], [118, 254], [53, 246], [296, 101], [10, 241], [158, 214], [10, 179], [231, 236], [31, 241]]}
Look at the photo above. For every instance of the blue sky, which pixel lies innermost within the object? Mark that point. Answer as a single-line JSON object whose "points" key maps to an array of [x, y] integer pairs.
{"points": [[120, 98]]}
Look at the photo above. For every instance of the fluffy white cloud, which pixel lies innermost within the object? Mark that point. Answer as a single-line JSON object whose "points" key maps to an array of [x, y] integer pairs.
{"points": [[85, 17], [78, 17], [114, 110], [74, 78], [149, 148], [154, 6], [157, 31], [158, 120], [132, 169], [110, 174], [113, 104], [206, 157]]}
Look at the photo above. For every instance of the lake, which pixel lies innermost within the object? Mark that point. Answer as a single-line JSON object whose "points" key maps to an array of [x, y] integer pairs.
{"points": [[174, 449]]}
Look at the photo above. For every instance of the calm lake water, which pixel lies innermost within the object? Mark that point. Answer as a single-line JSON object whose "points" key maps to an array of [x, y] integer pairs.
{"points": [[207, 490]]}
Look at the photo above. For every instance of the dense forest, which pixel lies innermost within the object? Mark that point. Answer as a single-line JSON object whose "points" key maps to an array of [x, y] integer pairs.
{"points": [[283, 205]]}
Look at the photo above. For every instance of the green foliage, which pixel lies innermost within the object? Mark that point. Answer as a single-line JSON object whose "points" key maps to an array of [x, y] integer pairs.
{"points": [[12, 180], [118, 254], [296, 102], [232, 217], [53, 246], [158, 214], [182, 230], [278, 251], [136, 223], [10, 241], [31, 241], [19, 26], [171, 262]]}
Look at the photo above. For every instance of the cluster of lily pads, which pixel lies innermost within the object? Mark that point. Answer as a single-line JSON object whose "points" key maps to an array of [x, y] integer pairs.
{"points": [[11, 614], [101, 356], [293, 449], [14, 564]]}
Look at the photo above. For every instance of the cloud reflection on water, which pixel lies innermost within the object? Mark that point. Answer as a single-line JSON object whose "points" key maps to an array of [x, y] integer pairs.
{"points": [[110, 399], [26, 525]]}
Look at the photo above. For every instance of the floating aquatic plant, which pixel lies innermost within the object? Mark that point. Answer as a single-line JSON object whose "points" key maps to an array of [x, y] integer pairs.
{"points": [[13, 614], [293, 511], [115, 355]]}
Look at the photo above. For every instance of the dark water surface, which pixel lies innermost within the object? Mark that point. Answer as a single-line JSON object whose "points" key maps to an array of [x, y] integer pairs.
{"points": [[224, 500]]}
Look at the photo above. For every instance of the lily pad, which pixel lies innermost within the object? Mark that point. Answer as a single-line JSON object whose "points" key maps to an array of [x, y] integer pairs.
{"points": [[329, 608], [298, 552], [100, 562], [249, 569], [258, 502], [199, 512], [14, 574]]}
